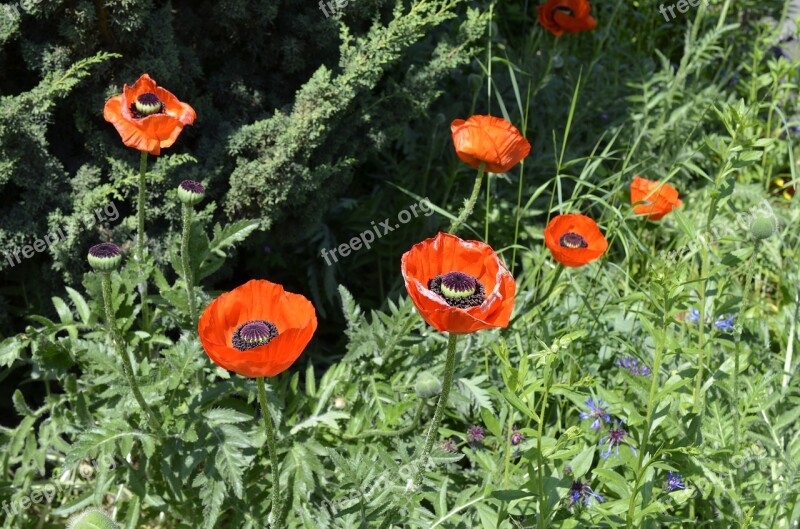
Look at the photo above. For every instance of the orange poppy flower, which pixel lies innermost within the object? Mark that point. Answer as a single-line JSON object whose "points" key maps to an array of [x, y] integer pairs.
{"points": [[488, 139], [147, 117], [458, 286], [257, 329], [566, 16], [655, 199], [574, 240]]}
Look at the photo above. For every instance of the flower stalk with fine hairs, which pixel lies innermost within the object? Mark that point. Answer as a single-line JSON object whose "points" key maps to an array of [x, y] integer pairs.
{"points": [[190, 193], [275, 512], [105, 258], [140, 253]]}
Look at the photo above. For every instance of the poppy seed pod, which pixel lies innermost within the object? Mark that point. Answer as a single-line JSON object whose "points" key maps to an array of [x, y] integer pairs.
{"points": [[92, 519], [191, 193], [427, 386], [763, 227], [105, 257]]}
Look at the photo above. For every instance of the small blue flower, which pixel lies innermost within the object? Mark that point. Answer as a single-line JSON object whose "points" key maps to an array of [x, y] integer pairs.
{"points": [[674, 482], [694, 315], [582, 492], [632, 366], [613, 439], [725, 324], [597, 411]]}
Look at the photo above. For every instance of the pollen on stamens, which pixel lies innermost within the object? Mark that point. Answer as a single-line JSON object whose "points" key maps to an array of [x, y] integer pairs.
{"points": [[253, 334], [147, 104], [573, 240]]}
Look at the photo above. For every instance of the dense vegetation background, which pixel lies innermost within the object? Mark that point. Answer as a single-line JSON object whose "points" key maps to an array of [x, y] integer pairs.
{"points": [[315, 127]]}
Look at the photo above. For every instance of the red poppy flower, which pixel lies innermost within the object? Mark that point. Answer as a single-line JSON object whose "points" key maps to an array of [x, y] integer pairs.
{"points": [[257, 329], [655, 199], [458, 286], [488, 139], [574, 240], [147, 117], [566, 16]]}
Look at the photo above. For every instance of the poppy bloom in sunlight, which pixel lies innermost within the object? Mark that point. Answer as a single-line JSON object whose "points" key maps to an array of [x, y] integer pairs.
{"points": [[257, 329], [147, 117], [654, 198], [458, 286], [566, 16], [574, 240], [488, 139]]}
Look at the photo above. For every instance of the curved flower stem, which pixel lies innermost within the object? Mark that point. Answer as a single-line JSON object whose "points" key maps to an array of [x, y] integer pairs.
{"points": [[469, 205], [274, 514], [384, 433], [122, 352], [140, 250], [188, 277], [447, 382]]}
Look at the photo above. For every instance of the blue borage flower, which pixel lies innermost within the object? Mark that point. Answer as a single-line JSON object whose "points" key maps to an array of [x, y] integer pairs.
{"points": [[725, 324], [582, 493], [615, 437], [674, 482], [632, 366], [597, 411], [722, 323]]}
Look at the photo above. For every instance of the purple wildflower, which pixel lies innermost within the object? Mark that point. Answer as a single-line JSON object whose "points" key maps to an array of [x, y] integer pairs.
{"points": [[475, 434], [516, 436], [597, 411], [613, 439], [450, 446], [674, 482], [632, 366], [725, 324], [582, 492], [694, 316]]}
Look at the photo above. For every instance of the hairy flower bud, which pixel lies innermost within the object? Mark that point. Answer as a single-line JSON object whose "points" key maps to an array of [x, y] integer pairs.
{"points": [[427, 386], [763, 227]]}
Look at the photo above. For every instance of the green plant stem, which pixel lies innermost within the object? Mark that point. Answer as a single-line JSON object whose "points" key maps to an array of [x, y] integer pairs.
{"points": [[274, 514], [737, 351], [385, 433], [553, 282], [469, 205], [486, 215], [542, 518], [648, 425], [140, 249], [188, 276], [122, 352], [699, 398], [433, 431]]}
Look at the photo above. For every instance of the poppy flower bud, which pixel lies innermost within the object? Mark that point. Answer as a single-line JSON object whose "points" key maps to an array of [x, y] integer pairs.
{"points": [[92, 519], [191, 193], [105, 257], [427, 386], [763, 227]]}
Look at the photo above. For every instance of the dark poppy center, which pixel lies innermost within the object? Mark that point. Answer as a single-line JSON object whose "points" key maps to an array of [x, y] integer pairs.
{"points": [[573, 240], [147, 104], [562, 9], [253, 334], [105, 250], [458, 289], [193, 186]]}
